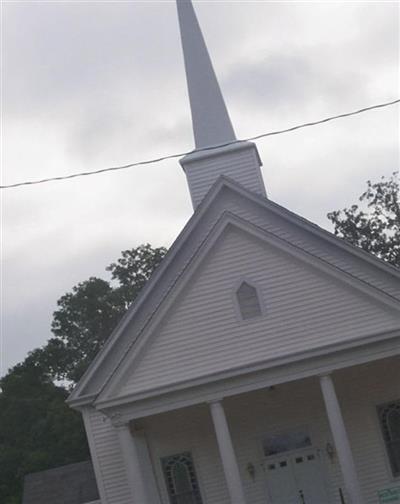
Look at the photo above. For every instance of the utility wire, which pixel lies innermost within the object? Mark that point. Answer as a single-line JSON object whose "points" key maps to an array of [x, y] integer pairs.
{"points": [[173, 156]]}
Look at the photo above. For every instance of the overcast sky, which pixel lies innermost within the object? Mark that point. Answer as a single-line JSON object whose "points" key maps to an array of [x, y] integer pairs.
{"points": [[90, 85]]}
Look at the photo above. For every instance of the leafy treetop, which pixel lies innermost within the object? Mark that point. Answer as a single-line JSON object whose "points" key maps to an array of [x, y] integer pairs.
{"points": [[375, 226]]}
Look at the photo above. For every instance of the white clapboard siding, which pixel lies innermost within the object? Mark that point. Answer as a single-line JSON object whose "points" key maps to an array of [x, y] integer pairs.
{"points": [[107, 459], [304, 309], [188, 430], [253, 416], [361, 389], [250, 418], [242, 165], [260, 213], [287, 230]]}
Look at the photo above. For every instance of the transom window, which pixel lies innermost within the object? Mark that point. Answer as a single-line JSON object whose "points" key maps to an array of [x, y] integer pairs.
{"points": [[181, 480], [248, 301], [285, 441], [389, 416]]}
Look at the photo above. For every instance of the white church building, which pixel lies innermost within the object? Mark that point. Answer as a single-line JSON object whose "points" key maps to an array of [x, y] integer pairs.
{"points": [[261, 362]]}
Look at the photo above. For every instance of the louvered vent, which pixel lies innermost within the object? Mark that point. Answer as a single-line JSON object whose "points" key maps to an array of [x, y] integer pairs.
{"points": [[248, 301]]}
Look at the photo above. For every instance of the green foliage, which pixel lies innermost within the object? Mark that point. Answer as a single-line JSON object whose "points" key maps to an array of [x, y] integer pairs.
{"points": [[133, 269], [375, 227], [86, 316], [38, 430], [84, 319]]}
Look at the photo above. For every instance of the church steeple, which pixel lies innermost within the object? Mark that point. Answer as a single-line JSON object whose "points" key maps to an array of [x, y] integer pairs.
{"points": [[211, 122], [210, 118]]}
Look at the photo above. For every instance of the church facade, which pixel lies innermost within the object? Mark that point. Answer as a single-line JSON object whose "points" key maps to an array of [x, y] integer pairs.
{"points": [[261, 362]]}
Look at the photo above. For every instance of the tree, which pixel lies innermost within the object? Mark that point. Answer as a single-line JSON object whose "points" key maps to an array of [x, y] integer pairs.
{"points": [[374, 227], [37, 429], [87, 315]]}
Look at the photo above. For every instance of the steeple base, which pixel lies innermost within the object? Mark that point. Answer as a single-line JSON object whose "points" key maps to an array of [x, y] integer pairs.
{"points": [[239, 161]]}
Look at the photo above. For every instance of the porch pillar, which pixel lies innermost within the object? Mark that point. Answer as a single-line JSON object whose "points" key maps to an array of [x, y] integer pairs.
{"points": [[341, 440], [227, 453], [138, 466]]}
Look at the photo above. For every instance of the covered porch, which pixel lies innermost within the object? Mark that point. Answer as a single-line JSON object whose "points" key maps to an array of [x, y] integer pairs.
{"points": [[306, 441]]}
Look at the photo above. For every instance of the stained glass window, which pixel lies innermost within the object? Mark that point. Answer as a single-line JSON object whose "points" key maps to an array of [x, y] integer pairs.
{"points": [[389, 416], [181, 480]]}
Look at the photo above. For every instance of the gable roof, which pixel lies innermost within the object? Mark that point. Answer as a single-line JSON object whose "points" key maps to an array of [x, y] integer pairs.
{"points": [[197, 334], [228, 196]]}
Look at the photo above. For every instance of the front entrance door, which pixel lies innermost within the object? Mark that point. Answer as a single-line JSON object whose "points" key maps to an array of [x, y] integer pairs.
{"points": [[295, 478]]}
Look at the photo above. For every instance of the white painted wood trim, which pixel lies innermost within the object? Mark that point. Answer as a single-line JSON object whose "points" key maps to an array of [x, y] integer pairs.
{"points": [[339, 355], [76, 397], [306, 225], [341, 440], [285, 370], [228, 219]]}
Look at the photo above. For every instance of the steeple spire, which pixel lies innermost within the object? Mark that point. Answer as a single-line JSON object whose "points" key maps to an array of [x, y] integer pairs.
{"points": [[211, 122]]}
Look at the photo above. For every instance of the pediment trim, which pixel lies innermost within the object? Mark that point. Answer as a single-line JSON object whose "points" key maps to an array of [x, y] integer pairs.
{"points": [[172, 264], [229, 221]]}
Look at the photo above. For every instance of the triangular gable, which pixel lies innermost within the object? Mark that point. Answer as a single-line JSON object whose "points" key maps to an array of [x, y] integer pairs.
{"points": [[225, 194], [307, 304]]}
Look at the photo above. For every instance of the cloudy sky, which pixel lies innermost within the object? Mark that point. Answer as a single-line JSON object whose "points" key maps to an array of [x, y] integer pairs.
{"points": [[88, 85]]}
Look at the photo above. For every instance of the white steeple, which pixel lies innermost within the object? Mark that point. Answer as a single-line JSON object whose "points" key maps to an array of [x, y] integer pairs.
{"points": [[211, 123]]}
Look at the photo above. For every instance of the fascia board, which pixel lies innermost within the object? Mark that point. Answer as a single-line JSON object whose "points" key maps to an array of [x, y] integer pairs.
{"points": [[127, 364], [221, 183], [316, 262], [307, 225], [80, 402], [280, 370], [147, 289], [141, 341]]}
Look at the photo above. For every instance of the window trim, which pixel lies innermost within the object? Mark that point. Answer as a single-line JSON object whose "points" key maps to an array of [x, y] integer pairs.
{"points": [[256, 285], [377, 407], [164, 478]]}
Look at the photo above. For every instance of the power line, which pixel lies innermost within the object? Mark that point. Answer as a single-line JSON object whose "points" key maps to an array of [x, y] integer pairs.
{"points": [[173, 156]]}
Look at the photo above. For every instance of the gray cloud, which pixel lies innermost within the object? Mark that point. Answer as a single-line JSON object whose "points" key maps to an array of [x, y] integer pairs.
{"points": [[89, 85]]}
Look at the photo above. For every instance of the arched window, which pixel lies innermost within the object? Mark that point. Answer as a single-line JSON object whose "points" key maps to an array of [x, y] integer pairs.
{"points": [[248, 301], [181, 480], [389, 416]]}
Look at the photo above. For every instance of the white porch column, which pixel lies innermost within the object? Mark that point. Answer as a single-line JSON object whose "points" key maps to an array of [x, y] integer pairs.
{"points": [[138, 466], [341, 440], [229, 463]]}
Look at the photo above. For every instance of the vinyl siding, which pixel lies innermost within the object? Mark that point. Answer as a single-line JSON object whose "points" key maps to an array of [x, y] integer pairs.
{"points": [[107, 459], [304, 309], [188, 430], [242, 166], [256, 213], [326, 250], [288, 407], [361, 390]]}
